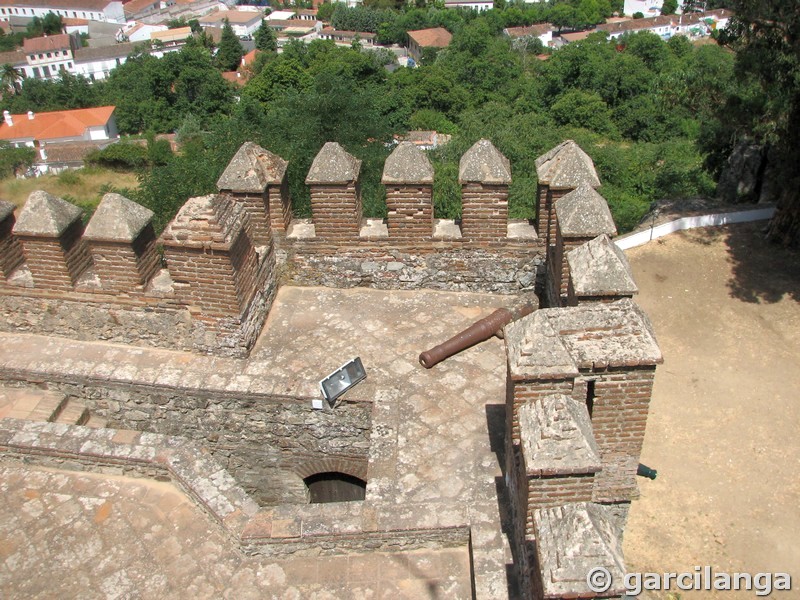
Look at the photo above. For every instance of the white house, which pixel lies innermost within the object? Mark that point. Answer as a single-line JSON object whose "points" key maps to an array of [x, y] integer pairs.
{"points": [[243, 22], [138, 32], [97, 63], [542, 31], [479, 5], [37, 129], [48, 56], [109, 11]]}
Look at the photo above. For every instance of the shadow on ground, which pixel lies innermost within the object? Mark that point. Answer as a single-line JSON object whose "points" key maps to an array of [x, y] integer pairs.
{"points": [[762, 272]]}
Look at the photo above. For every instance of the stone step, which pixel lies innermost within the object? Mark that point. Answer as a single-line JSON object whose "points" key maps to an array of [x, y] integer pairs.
{"points": [[96, 422], [73, 413], [36, 405]]}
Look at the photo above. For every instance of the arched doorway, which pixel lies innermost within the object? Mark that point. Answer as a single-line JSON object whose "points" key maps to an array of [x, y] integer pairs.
{"points": [[333, 486]]}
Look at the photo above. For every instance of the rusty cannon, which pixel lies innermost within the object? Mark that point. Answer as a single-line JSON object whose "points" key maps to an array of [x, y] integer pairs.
{"points": [[477, 332]]}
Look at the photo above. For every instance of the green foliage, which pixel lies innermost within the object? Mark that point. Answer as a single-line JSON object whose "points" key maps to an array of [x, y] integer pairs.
{"points": [[230, 52], [67, 92], [669, 7], [13, 160], [325, 11], [265, 38], [50, 24], [583, 109], [10, 41], [125, 156]]}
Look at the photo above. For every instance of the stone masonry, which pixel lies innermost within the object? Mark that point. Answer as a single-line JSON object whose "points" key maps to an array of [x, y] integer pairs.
{"points": [[257, 178], [484, 175]]}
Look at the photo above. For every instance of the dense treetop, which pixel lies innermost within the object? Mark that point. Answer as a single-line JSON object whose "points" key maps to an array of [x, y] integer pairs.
{"points": [[638, 105]]}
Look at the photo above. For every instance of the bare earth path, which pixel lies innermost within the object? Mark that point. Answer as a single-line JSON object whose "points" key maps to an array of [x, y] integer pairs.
{"points": [[723, 426]]}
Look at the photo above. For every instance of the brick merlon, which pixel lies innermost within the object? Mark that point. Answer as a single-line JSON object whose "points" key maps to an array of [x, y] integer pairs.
{"points": [[483, 163], [44, 215], [252, 169], [407, 164], [117, 219]]}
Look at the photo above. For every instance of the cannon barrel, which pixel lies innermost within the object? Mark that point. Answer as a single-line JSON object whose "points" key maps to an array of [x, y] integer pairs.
{"points": [[645, 471], [477, 332]]}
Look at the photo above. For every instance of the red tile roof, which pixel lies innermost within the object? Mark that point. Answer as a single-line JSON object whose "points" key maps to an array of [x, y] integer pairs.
{"points": [[534, 30], [57, 124], [438, 37], [48, 43]]}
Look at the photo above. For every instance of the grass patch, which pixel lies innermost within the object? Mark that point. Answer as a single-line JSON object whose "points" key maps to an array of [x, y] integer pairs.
{"points": [[84, 187]]}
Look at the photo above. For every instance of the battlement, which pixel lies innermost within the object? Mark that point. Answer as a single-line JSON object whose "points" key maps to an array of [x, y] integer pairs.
{"points": [[207, 283]]}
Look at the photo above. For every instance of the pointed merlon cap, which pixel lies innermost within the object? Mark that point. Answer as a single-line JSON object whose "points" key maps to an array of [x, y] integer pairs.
{"points": [[117, 219], [566, 166], [211, 221], [571, 541], [535, 349], [45, 215], [556, 437], [252, 169], [584, 213], [483, 163], [599, 268], [6, 208], [407, 164], [333, 164]]}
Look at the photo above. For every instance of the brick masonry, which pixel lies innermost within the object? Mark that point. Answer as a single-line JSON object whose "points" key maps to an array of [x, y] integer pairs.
{"points": [[125, 268], [484, 214], [410, 212], [57, 263], [11, 256]]}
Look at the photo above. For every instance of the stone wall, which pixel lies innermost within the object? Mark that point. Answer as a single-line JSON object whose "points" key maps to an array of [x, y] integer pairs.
{"points": [[263, 441]]}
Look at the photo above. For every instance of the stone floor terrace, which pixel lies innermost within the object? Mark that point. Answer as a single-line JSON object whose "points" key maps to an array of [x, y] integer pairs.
{"points": [[433, 460]]}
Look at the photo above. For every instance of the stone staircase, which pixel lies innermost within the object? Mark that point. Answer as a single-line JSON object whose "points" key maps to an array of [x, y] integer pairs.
{"points": [[45, 405]]}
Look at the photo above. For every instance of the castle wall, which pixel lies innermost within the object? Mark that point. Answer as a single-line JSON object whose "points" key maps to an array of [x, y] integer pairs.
{"points": [[11, 255], [262, 440]]}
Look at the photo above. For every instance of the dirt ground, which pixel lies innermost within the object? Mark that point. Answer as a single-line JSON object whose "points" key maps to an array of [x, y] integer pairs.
{"points": [[723, 424]]}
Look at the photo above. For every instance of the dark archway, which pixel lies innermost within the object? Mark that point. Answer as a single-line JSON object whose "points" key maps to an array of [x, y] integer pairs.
{"points": [[335, 487]]}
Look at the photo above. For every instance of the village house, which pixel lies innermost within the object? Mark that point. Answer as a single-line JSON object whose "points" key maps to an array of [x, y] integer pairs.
{"points": [[244, 23], [346, 37], [437, 37], [36, 129], [48, 56], [110, 11], [541, 31]]}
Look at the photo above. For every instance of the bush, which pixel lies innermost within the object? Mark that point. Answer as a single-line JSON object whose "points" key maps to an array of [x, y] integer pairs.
{"points": [[123, 155]]}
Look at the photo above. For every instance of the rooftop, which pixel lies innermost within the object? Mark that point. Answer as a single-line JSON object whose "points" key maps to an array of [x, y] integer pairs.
{"points": [[235, 17], [48, 43], [56, 124], [534, 30], [438, 37], [93, 5]]}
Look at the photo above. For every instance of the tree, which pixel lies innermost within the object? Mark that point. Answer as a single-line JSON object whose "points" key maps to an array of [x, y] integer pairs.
{"points": [[265, 38], [230, 53], [9, 79], [50, 24], [766, 36], [669, 7]]}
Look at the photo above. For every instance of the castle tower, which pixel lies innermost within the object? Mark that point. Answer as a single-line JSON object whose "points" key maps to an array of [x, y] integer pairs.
{"points": [[257, 178], [122, 243], [11, 255], [599, 272], [335, 193], [580, 216], [484, 174], [408, 177], [50, 230], [560, 171], [210, 257]]}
